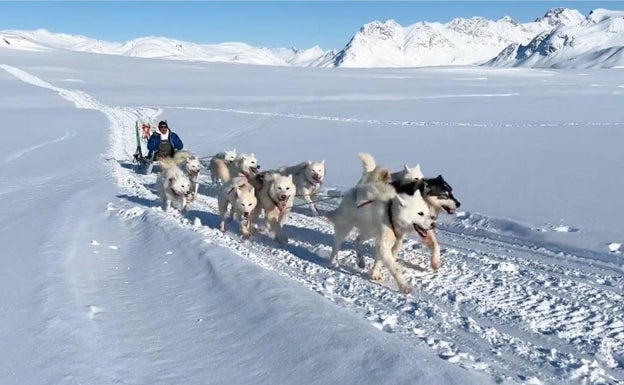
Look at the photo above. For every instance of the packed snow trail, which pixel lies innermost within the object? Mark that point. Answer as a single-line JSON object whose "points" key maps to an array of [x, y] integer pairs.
{"points": [[512, 311], [121, 300]]}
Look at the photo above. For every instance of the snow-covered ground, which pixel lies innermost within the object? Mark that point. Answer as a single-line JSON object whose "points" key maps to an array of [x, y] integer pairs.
{"points": [[101, 286]]}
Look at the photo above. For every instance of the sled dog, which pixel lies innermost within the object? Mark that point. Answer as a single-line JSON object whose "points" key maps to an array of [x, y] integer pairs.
{"points": [[386, 218], [190, 164], [241, 195], [438, 195], [244, 165], [307, 177], [275, 193], [374, 173], [173, 185], [225, 157]]}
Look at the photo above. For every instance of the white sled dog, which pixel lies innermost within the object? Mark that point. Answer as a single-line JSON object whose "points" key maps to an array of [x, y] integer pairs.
{"points": [[225, 157], [276, 194], [374, 173], [190, 164], [438, 194], [308, 177], [173, 185], [387, 218], [244, 165], [241, 195]]}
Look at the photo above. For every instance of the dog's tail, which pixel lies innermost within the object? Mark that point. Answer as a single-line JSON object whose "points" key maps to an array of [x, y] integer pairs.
{"points": [[181, 156], [222, 170], [368, 162], [167, 163]]}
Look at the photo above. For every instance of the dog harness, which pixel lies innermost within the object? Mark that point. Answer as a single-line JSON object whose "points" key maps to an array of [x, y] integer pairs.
{"points": [[390, 218]]}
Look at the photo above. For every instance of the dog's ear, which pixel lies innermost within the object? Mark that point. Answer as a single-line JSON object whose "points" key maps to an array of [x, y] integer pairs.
{"points": [[417, 169], [309, 162], [402, 201], [323, 162], [406, 168], [290, 177], [252, 155]]}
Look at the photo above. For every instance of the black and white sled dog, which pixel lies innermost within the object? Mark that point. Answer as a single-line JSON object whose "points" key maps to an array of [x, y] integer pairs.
{"points": [[387, 217], [276, 194], [243, 165], [438, 194], [308, 177], [225, 157], [173, 185], [241, 195], [190, 164]]}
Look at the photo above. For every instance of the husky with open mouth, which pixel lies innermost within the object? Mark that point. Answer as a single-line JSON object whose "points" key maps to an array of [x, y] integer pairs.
{"points": [[244, 165], [308, 177], [190, 164], [241, 195], [438, 194], [387, 217], [173, 185], [276, 194]]}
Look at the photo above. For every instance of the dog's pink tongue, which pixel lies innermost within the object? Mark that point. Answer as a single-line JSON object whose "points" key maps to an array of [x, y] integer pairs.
{"points": [[281, 205]]}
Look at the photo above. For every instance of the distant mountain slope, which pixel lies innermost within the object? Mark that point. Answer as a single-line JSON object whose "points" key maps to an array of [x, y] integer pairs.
{"points": [[460, 41], [596, 42]]}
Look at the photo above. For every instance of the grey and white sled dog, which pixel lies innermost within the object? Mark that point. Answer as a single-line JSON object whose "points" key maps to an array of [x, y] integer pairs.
{"points": [[243, 165], [241, 195], [386, 218], [438, 194], [173, 185], [225, 157], [276, 194], [190, 164], [308, 177]]}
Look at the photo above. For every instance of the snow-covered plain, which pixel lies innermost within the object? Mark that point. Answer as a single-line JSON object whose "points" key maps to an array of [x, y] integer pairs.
{"points": [[101, 286]]}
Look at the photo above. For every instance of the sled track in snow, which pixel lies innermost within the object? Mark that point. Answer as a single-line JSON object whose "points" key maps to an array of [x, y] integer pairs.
{"points": [[507, 309], [391, 122]]}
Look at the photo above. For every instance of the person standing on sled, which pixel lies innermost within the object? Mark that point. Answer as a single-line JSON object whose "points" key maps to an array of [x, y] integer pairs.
{"points": [[162, 144]]}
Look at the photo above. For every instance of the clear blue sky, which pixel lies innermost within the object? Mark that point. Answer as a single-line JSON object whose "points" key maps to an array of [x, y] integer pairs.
{"points": [[269, 24]]}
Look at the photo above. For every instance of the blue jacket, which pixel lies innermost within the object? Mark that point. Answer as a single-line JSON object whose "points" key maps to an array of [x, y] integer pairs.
{"points": [[154, 141]]}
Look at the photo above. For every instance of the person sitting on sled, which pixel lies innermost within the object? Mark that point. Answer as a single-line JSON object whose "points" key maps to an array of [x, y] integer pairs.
{"points": [[163, 143]]}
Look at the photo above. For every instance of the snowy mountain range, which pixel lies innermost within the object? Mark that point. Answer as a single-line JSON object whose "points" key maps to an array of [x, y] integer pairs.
{"points": [[598, 41], [560, 38], [460, 41]]}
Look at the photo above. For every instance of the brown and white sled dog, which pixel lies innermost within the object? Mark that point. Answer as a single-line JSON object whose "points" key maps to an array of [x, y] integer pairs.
{"points": [[190, 164], [438, 195], [244, 165], [241, 195], [308, 177], [225, 158], [276, 194], [173, 185], [387, 218]]}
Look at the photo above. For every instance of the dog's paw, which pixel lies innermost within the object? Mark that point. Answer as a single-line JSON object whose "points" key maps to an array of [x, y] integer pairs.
{"points": [[435, 263], [376, 276], [222, 227], [405, 288]]}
